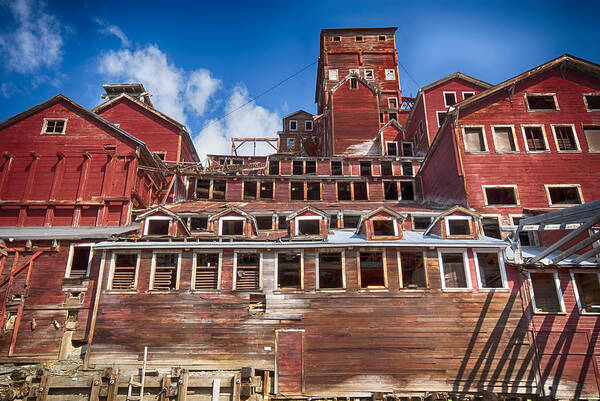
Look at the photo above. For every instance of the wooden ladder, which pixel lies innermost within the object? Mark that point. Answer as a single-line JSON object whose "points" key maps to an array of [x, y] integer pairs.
{"points": [[140, 385]]}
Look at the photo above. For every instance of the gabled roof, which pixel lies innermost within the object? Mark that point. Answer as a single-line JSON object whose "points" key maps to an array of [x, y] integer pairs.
{"points": [[372, 213], [177, 124], [373, 88], [456, 75], [307, 209], [564, 61], [163, 210], [237, 210], [456, 208], [298, 112]]}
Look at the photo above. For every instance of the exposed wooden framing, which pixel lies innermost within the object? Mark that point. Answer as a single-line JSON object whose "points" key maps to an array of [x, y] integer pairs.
{"points": [[182, 385], [216, 389], [576, 247], [43, 389], [95, 390], [592, 252], [168, 191], [237, 381], [236, 143]]}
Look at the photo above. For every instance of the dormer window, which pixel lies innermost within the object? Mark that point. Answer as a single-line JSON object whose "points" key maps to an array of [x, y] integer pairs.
{"points": [[458, 226], [385, 228], [231, 225], [54, 126], [157, 225], [308, 225]]}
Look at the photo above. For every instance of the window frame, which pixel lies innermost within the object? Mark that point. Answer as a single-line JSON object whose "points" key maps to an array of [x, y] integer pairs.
{"points": [[290, 142], [544, 137], [276, 271], [412, 220], [333, 75], [387, 143], [472, 93], [515, 190], [113, 260], [45, 126], [526, 95], [317, 270], [230, 218], [260, 269], [437, 114], [412, 149], [532, 236], [444, 93], [297, 219], [395, 224], [501, 266], [341, 167], [372, 78], [483, 137], [306, 122], [425, 271], [498, 218], [514, 136], [576, 289], [148, 219], [388, 71], [469, 219], [195, 254], [585, 127], [585, 102], [72, 254], [390, 105], [386, 284], [556, 286], [549, 198], [290, 125], [466, 266], [575, 138], [179, 254]]}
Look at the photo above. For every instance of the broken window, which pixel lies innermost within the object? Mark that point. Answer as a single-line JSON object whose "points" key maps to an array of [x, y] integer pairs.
{"points": [[393, 101], [441, 116], [310, 167], [490, 271], [266, 190], [413, 270], [592, 135], [545, 292], [54, 126], [289, 270], [474, 140], [386, 168], [449, 98], [264, 222], [524, 236], [565, 137], [491, 227], [165, 271], [407, 191], [351, 220], [501, 196], [124, 271], [369, 74], [365, 168], [206, 274], [313, 191], [407, 169], [371, 270], [407, 149], [359, 38], [330, 270], [157, 226], [540, 102], [273, 167], [353, 83], [458, 226], [390, 189], [333, 221], [588, 289], [592, 101], [11, 318], [534, 139], [297, 167], [384, 228], [421, 222], [282, 223], [453, 270], [467, 95], [250, 190], [199, 223], [297, 191], [391, 148], [79, 261], [360, 191], [564, 195], [232, 227], [504, 139], [247, 271], [343, 189], [336, 167], [294, 124], [219, 188], [308, 226], [202, 189], [390, 74]]}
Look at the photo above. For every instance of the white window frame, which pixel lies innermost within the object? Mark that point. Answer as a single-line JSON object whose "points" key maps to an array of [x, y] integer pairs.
{"points": [[501, 266], [389, 72], [153, 269], [386, 284], [466, 266], [523, 126], [72, 254], [585, 100], [291, 142], [260, 268], [396, 144], [525, 95], [583, 128], [576, 186], [437, 116], [195, 264], [113, 260], [455, 98], [484, 138], [394, 222], [45, 126], [447, 225], [299, 218], [467, 93], [220, 232], [514, 135], [290, 125], [390, 106], [576, 289], [332, 74], [578, 147], [276, 271], [155, 218], [556, 285], [331, 250], [372, 74], [306, 123], [412, 149], [492, 216], [513, 186]]}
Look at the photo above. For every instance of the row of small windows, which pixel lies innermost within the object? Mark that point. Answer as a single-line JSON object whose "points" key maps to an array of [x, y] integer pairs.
{"points": [[557, 195], [308, 125], [358, 38], [367, 73], [309, 167], [534, 138]]}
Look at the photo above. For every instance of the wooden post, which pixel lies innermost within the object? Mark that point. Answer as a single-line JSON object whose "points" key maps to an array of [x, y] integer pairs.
{"points": [[42, 391], [237, 380], [182, 384], [266, 385], [216, 389], [164, 388], [113, 387], [95, 390], [143, 378]]}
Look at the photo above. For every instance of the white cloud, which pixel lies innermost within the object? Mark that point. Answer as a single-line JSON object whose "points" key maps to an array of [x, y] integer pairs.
{"points": [[114, 30], [249, 121], [35, 40], [200, 87]]}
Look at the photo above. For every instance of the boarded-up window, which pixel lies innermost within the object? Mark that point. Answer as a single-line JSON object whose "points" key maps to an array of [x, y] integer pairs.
{"points": [[534, 137], [500, 196], [588, 289], [207, 271], [565, 137], [336, 167], [491, 227], [386, 168], [330, 270], [309, 226], [454, 270], [80, 261], [219, 189], [202, 189], [273, 167], [390, 189], [489, 270], [247, 271], [249, 190], [413, 270], [297, 167], [199, 223], [371, 269], [266, 190], [384, 228], [313, 191], [264, 222], [165, 271], [545, 293], [474, 141], [564, 196], [232, 227], [504, 139], [124, 272], [360, 191], [407, 191], [297, 191], [310, 167], [289, 270], [541, 102], [460, 226], [343, 189], [365, 168], [592, 135]]}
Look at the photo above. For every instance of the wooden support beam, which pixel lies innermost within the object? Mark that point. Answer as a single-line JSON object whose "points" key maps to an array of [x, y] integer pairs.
{"points": [[266, 385], [587, 255], [237, 381], [575, 248], [164, 389], [216, 389], [95, 389], [113, 387], [42, 390], [182, 384]]}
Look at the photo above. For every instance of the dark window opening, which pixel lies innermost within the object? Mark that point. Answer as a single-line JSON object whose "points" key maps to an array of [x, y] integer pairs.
{"points": [[564, 196], [351, 221], [371, 270], [474, 141], [330, 270], [309, 227], [365, 168], [392, 148], [489, 270], [232, 227], [165, 272], [282, 223], [202, 189], [393, 103], [333, 221], [353, 83], [219, 188], [500, 196], [266, 190], [55, 126], [441, 117], [293, 125], [313, 191], [199, 223], [344, 191], [249, 190], [524, 237], [386, 168], [360, 191], [588, 289], [124, 273], [311, 167], [336, 167], [160, 155], [467, 95], [593, 102], [359, 38], [207, 271], [449, 99], [381, 37], [535, 139], [381, 118], [421, 223], [289, 270], [541, 102], [273, 167], [393, 116], [390, 189], [459, 226], [407, 169], [336, 38], [491, 227], [264, 222], [565, 137], [247, 272], [297, 167], [544, 293], [454, 270], [158, 227], [407, 149], [384, 228], [406, 190], [237, 162], [297, 191], [413, 270], [79, 263]]}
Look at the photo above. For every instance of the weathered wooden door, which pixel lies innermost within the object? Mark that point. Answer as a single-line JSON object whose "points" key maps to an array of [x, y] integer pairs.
{"points": [[290, 369]]}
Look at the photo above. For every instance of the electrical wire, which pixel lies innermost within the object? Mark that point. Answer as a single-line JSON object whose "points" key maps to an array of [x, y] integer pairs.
{"points": [[408, 73]]}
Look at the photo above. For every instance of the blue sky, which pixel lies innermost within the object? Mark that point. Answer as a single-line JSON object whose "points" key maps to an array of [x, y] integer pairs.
{"points": [[203, 59]]}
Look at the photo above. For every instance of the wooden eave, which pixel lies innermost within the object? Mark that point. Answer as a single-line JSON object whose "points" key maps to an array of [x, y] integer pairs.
{"points": [[456, 208], [456, 75], [307, 209], [298, 112], [381, 209]]}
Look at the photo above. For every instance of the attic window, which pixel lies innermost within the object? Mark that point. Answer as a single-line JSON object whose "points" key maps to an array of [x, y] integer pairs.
{"points": [[369, 74], [371, 270], [157, 225], [264, 222], [381, 37], [79, 262], [232, 225], [467, 95], [55, 126], [308, 125], [293, 125], [458, 225], [359, 38], [449, 99], [198, 223], [308, 226], [384, 228], [540, 102], [336, 38], [392, 148], [592, 101]]}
